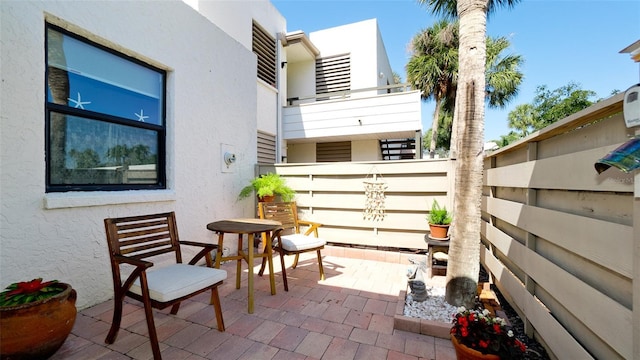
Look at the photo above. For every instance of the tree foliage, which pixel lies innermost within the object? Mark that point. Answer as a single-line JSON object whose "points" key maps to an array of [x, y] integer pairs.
{"points": [[433, 69], [547, 107]]}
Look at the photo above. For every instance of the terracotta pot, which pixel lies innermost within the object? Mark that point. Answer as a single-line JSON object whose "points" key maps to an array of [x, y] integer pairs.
{"points": [[37, 330], [465, 353], [439, 231], [267, 198]]}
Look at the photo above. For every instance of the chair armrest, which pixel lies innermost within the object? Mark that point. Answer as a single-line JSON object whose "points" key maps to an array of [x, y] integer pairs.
{"points": [[313, 227], [141, 267], [131, 261], [309, 223], [201, 244], [207, 248]]}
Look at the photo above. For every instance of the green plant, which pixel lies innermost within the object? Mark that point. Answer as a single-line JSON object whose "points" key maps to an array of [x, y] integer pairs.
{"points": [[269, 184], [488, 334], [29, 291], [439, 215]]}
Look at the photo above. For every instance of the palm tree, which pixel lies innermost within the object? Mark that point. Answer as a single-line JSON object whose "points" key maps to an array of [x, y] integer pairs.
{"points": [[433, 67], [523, 119], [464, 252], [502, 74]]}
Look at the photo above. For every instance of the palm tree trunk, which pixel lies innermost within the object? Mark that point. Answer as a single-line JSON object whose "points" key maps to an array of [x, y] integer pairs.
{"points": [[58, 83], [464, 252], [434, 129]]}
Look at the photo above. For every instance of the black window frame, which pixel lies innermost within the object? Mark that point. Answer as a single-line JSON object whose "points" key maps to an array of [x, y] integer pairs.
{"points": [[161, 130]]}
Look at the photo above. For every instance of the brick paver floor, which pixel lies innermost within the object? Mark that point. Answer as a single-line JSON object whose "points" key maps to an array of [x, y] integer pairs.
{"points": [[347, 316]]}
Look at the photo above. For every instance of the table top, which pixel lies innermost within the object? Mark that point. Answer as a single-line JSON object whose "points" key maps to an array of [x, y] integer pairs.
{"points": [[432, 241], [243, 226]]}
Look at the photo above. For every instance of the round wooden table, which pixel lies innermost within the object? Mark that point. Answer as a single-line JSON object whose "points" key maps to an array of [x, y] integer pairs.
{"points": [[249, 227]]}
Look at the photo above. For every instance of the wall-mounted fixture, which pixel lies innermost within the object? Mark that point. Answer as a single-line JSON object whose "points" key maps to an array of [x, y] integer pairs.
{"points": [[631, 106], [229, 158], [381, 75], [282, 64]]}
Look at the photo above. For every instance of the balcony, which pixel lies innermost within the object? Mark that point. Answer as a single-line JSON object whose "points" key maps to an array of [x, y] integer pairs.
{"points": [[373, 113]]}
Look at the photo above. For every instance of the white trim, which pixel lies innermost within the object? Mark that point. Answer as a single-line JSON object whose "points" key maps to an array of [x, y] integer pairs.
{"points": [[100, 198]]}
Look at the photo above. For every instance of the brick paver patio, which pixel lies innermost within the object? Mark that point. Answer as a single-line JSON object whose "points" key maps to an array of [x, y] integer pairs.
{"points": [[350, 315]]}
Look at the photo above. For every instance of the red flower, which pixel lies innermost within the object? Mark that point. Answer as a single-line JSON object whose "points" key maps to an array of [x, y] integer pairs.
{"points": [[463, 321], [28, 291], [464, 332], [28, 287], [481, 331]]}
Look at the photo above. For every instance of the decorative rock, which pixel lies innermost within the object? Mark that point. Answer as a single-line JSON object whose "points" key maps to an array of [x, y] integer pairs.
{"points": [[432, 308]]}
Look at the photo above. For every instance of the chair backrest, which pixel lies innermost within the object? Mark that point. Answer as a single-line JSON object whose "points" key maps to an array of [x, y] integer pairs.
{"points": [[284, 212], [142, 237]]}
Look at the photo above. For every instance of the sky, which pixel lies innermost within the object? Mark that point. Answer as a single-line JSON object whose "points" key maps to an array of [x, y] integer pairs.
{"points": [[561, 41]]}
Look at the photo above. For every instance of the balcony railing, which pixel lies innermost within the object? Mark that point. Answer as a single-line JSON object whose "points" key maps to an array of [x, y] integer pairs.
{"points": [[366, 113]]}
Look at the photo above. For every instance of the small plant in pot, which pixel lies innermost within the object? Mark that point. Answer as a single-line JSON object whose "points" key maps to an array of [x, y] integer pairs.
{"points": [[36, 318], [266, 187], [439, 219], [476, 334]]}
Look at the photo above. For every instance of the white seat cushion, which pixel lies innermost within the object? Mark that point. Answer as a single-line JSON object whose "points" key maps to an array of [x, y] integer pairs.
{"points": [[299, 242], [177, 280]]}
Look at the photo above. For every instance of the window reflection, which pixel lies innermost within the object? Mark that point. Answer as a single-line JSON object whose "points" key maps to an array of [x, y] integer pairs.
{"points": [[102, 153]]}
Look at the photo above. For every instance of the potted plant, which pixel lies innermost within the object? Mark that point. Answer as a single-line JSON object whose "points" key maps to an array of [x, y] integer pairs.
{"points": [[35, 318], [439, 219], [266, 187], [476, 334]]}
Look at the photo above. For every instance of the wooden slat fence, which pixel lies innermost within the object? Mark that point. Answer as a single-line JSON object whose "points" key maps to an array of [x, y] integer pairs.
{"points": [[558, 237], [334, 195]]}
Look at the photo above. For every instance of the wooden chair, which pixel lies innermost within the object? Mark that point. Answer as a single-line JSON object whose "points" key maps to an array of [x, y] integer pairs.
{"points": [[290, 240], [133, 241]]}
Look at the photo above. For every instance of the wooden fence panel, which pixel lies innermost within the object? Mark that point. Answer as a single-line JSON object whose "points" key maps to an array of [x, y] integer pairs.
{"points": [[558, 237], [334, 194]]}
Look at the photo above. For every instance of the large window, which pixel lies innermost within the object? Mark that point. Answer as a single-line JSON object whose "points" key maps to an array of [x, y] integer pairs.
{"points": [[105, 118]]}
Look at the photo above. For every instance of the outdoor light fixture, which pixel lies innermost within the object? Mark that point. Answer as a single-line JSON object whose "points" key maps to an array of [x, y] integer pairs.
{"points": [[229, 158]]}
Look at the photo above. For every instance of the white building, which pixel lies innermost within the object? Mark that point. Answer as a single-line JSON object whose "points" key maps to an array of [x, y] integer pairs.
{"points": [[123, 108]]}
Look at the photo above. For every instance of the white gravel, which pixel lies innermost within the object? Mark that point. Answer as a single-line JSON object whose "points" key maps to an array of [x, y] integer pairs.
{"points": [[433, 308]]}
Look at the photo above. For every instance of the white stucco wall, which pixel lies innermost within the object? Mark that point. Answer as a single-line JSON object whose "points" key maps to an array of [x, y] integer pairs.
{"points": [[301, 153], [365, 150], [359, 39], [384, 66], [235, 17], [211, 100], [301, 80]]}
